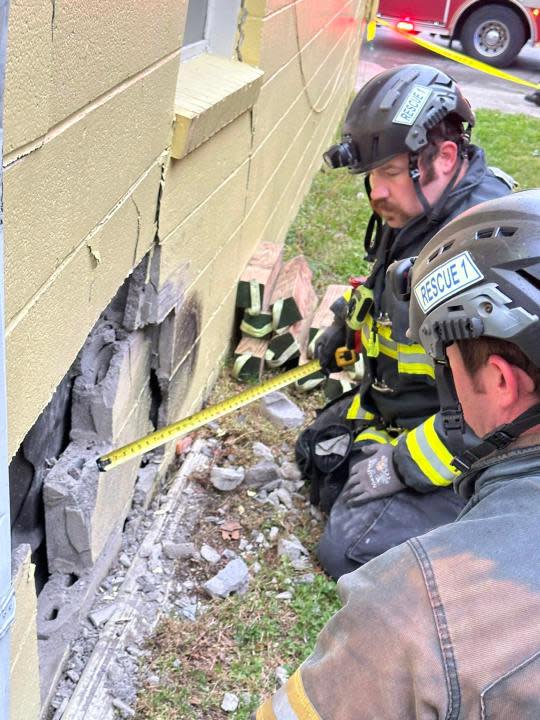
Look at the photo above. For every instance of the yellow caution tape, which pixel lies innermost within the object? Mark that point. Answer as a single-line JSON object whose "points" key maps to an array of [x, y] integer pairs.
{"points": [[459, 57], [203, 417], [371, 30]]}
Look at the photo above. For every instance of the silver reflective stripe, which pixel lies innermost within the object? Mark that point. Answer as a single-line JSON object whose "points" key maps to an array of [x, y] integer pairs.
{"points": [[333, 446], [281, 706], [431, 456], [254, 298]]}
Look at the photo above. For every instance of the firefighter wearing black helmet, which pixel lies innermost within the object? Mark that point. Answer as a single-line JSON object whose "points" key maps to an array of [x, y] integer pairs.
{"points": [[446, 625], [408, 130]]}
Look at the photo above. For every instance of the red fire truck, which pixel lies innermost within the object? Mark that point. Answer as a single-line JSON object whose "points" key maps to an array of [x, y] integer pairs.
{"points": [[493, 32]]}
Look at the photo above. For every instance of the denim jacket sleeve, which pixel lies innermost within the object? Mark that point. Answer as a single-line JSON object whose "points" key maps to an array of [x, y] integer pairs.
{"points": [[379, 657]]}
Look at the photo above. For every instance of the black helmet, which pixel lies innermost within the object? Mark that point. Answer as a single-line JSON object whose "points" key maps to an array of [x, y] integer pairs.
{"points": [[392, 114], [479, 275]]}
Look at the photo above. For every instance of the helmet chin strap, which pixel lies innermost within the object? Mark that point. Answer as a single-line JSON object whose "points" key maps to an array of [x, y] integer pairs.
{"points": [[374, 227], [499, 438], [432, 212], [454, 423]]}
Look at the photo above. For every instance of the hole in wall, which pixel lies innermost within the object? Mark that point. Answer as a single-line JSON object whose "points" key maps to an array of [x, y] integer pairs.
{"points": [[53, 614], [71, 579]]}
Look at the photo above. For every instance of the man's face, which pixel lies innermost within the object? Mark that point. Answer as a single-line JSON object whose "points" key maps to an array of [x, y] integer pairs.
{"points": [[392, 190]]}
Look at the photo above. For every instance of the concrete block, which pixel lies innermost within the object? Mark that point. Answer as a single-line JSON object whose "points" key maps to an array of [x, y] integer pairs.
{"points": [[84, 286], [188, 183], [83, 508], [24, 673], [77, 179], [178, 335], [62, 604], [277, 96], [270, 42], [260, 8], [28, 72], [114, 373], [129, 37], [201, 236], [211, 92], [272, 152]]}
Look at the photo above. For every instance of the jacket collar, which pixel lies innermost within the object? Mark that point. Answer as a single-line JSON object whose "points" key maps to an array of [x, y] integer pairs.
{"points": [[522, 456]]}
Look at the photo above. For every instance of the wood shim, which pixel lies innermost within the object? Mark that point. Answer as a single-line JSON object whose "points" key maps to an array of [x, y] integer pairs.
{"points": [[249, 358], [257, 282], [323, 316], [292, 295]]}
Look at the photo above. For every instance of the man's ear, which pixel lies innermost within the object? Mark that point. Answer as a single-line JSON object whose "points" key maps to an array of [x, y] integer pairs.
{"points": [[447, 156], [513, 383]]}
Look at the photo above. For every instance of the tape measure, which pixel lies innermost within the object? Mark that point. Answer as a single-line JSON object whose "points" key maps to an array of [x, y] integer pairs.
{"points": [[459, 57], [203, 417]]}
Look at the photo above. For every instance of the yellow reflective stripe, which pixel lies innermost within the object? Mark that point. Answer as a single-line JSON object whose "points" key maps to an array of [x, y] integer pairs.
{"points": [[434, 446], [299, 700], [265, 711], [388, 351], [378, 436], [356, 412], [442, 452], [407, 368], [416, 367], [421, 460]]}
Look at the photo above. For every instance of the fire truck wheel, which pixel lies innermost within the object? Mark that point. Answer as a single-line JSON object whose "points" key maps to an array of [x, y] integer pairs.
{"points": [[493, 34]]}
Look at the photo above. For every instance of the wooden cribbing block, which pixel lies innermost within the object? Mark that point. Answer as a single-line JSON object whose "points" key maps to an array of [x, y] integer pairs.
{"points": [[288, 345], [257, 282], [249, 358], [293, 294], [323, 316]]}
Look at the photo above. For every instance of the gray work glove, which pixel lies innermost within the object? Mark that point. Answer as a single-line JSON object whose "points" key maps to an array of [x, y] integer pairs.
{"points": [[372, 477], [332, 338]]}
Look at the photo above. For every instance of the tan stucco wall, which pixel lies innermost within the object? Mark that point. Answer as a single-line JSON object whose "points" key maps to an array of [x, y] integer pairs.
{"points": [[89, 110]]}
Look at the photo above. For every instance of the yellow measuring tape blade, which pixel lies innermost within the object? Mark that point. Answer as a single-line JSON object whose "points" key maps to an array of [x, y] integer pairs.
{"points": [[459, 57], [183, 427]]}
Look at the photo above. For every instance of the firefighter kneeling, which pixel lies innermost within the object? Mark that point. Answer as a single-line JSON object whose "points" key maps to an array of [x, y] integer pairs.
{"points": [[408, 129], [446, 624]]}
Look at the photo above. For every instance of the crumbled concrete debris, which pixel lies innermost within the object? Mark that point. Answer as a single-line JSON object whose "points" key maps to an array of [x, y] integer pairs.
{"points": [[230, 702], [226, 479], [273, 533], [122, 708], [233, 578], [290, 471], [284, 497], [209, 554], [101, 615], [180, 551], [262, 451], [281, 675], [291, 548], [281, 410], [306, 578], [262, 473], [286, 595]]}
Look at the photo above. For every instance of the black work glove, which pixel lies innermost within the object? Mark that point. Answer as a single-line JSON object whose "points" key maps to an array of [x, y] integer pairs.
{"points": [[372, 476], [332, 338]]}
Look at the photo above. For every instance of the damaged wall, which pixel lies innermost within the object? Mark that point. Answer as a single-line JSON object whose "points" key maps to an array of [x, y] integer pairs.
{"points": [[132, 204]]}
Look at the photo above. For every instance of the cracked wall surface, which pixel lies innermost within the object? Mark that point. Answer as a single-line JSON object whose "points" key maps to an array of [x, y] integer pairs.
{"points": [[121, 262]]}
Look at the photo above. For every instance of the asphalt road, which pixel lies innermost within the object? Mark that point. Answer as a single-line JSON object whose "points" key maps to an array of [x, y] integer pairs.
{"points": [[483, 91]]}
